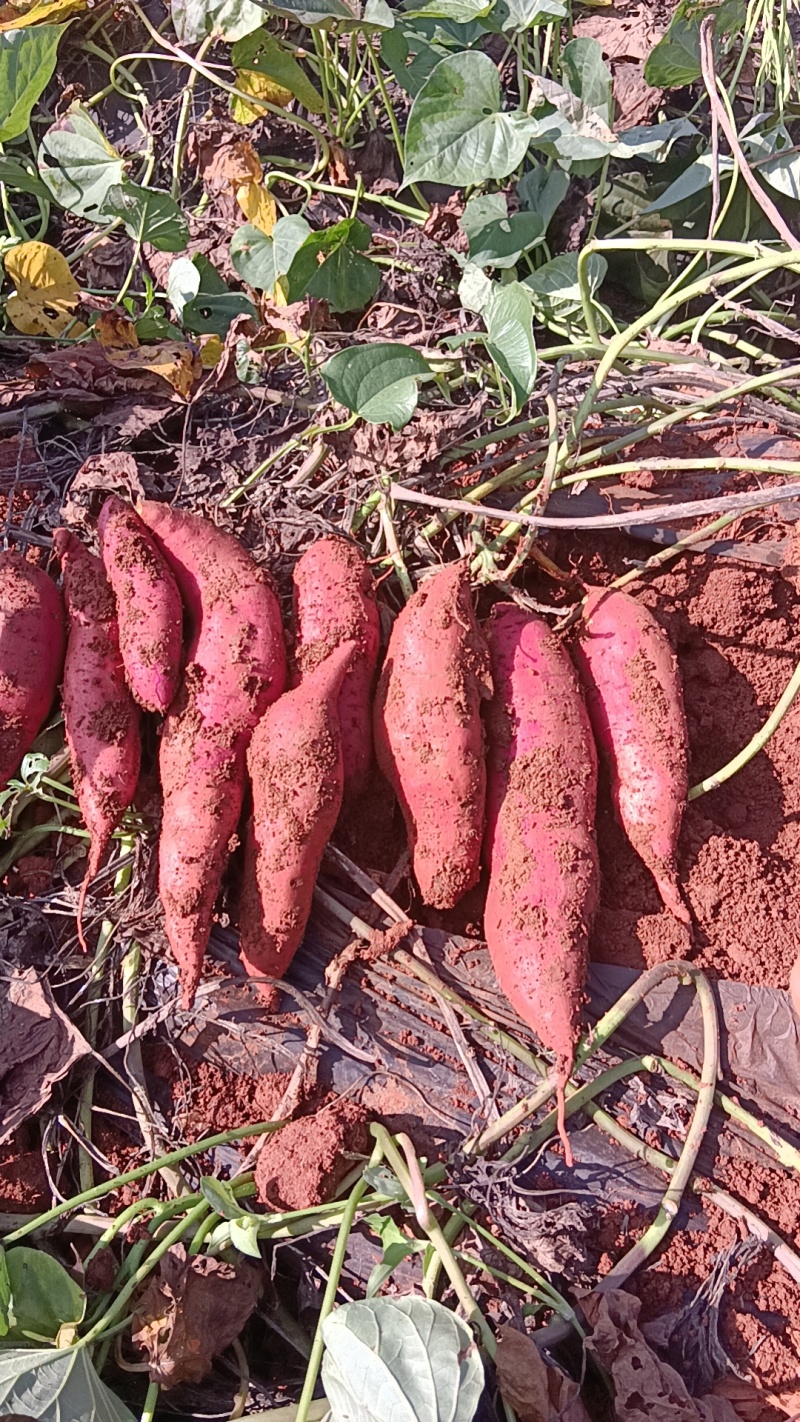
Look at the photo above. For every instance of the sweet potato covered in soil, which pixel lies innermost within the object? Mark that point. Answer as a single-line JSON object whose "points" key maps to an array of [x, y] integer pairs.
{"points": [[31, 656], [428, 732], [540, 845], [334, 602], [635, 700], [236, 668], [297, 773], [149, 610], [101, 718]]}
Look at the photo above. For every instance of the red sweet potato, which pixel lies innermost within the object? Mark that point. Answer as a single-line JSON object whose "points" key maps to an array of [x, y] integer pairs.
{"points": [[31, 656], [334, 602], [428, 733], [540, 846], [236, 668], [149, 610], [101, 717], [635, 700], [297, 772]]}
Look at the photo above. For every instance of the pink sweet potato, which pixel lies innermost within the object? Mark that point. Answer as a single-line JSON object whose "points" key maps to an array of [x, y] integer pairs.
{"points": [[428, 733], [149, 610], [31, 656], [635, 700], [334, 602], [236, 669], [297, 772], [101, 717], [540, 846]]}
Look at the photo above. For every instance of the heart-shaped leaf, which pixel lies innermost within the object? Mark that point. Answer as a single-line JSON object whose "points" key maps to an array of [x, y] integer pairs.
{"points": [[495, 239], [148, 216], [53, 1384], [261, 53], [555, 289], [508, 316], [78, 164], [542, 191], [230, 19], [457, 131], [519, 15], [43, 1296], [27, 62], [378, 382], [260, 260]]}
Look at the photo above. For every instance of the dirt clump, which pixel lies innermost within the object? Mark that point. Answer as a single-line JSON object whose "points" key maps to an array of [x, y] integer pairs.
{"points": [[305, 1162]]}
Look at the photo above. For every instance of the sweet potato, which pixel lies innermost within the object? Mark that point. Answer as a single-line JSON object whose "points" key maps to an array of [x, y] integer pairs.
{"points": [[540, 846], [31, 656], [149, 610], [101, 717], [334, 602], [297, 772], [635, 701], [236, 668], [428, 733]]}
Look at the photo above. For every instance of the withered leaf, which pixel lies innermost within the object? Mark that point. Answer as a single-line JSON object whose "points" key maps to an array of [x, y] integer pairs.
{"points": [[645, 1388], [535, 1391], [191, 1310]]}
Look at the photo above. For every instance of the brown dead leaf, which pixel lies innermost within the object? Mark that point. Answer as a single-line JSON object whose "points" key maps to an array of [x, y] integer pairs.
{"points": [[115, 332], [77, 373], [129, 418], [635, 101], [748, 1401], [234, 163], [631, 35], [172, 361], [441, 224], [337, 164], [99, 476], [535, 1391], [191, 1311], [645, 1388], [38, 1046]]}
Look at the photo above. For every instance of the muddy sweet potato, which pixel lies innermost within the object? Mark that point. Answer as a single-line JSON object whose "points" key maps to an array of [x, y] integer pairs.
{"points": [[236, 669], [334, 602], [635, 700], [149, 609], [428, 732], [540, 845], [297, 773], [31, 656], [101, 718]]}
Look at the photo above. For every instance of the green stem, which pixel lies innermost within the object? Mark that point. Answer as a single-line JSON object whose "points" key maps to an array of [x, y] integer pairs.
{"points": [[183, 119], [149, 1409], [759, 740]]}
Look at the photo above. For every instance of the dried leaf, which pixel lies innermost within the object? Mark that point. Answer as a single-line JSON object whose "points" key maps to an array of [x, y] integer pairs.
{"points": [[535, 1391], [258, 206], [46, 291], [38, 1046], [211, 348], [190, 1312], [261, 87], [234, 163], [645, 1388], [337, 164], [14, 17], [115, 332], [102, 474], [170, 360]]}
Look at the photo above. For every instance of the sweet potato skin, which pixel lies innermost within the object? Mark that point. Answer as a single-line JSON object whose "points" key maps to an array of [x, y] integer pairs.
{"points": [[334, 602], [428, 732], [635, 700], [236, 669], [101, 717], [149, 609], [32, 638], [297, 773], [540, 844]]}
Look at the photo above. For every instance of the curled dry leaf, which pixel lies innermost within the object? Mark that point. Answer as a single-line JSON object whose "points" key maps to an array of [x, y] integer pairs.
{"points": [[190, 1311], [645, 1388], [536, 1392], [99, 476], [38, 1046]]}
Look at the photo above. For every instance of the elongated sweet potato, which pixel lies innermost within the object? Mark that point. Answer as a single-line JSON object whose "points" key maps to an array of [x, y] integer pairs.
{"points": [[540, 846], [334, 602], [101, 717], [236, 668], [149, 610], [635, 700], [31, 656], [297, 773], [428, 733]]}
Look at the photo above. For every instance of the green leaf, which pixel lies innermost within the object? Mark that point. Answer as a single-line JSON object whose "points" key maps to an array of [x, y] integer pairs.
{"points": [[183, 284], [148, 214], [378, 382], [396, 1247], [27, 62], [496, 240], [474, 289], [694, 178], [15, 175], [244, 1235], [457, 132], [346, 280], [508, 316], [230, 19], [542, 192], [586, 74], [43, 1296], [460, 11], [78, 164], [260, 260], [56, 1385], [155, 325], [410, 57], [653, 141], [404, 1359], [211, 313], [221, 1198], [377, 16], [555, 289], [675, 60], [315, 12], [6, 1307], [261, 53], [519, 15]]}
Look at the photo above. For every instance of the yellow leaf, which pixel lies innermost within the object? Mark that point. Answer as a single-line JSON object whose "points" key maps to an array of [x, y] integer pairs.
{"points": [[211, 348], [261, 87], [258, 206], [115, 332], [14, 18], [46, 291], [175, 363]]}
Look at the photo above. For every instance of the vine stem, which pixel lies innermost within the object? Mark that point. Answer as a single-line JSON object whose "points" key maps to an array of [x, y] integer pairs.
{"points": [[759, 740], [183, 118], [329, 1297], [149, 1409]]}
